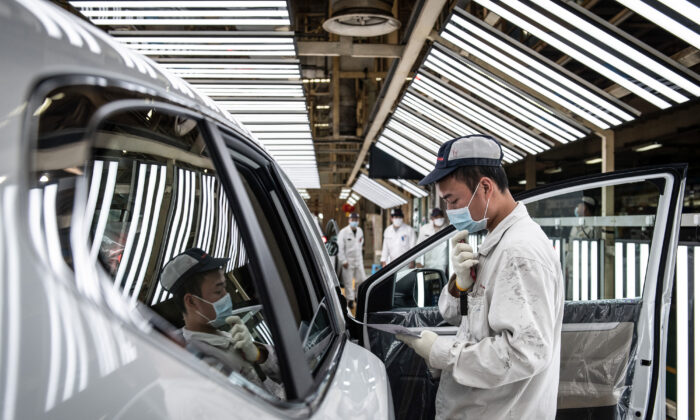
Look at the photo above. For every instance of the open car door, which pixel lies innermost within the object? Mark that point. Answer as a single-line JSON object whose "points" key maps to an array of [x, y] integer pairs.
{"points": [[618, 263]]}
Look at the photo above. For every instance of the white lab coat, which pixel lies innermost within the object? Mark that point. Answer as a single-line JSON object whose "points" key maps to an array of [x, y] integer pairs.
{"points": [[350, 250], [504, 361], [436, 257], [397, 241]]}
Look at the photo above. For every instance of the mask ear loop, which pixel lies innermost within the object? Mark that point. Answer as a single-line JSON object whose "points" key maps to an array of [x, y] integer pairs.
{"points": [[201, 314], [488, 200]]}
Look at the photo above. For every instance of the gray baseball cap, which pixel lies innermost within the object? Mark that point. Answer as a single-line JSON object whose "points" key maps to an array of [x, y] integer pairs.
{"points": [[473, 150], [192, 261]]}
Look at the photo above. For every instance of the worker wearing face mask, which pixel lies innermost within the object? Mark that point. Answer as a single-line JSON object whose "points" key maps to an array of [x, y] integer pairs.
{"points": [[398, 238], [436, 257], [198, 285], [350, 242], [507, 300]]}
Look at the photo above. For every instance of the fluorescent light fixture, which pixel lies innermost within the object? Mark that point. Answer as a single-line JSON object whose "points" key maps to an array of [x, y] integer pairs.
{"points": [[44, 179], [376, 193], [322, 125], [344, 193], [315, 80], [551, 81], [682, 343], [647, 147], [631, 274], [435, 133], [556, 170], [163, 4], [593, 161], [482, 116], [423, 159], [610, 65], [323, 106], [413, 189], [522, 182], [576, 277], [497, 92], [594, 270]]}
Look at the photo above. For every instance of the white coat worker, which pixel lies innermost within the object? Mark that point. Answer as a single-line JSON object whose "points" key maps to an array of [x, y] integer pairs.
{"points": [[398, 238], [504, 361], [436, 257], [350, 243]]}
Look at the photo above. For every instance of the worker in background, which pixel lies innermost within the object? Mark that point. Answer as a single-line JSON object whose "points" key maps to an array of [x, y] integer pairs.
{"points": [[436, 257], [582, 232], [198, 285], [398, 238], [350, 243], [507, 300], [585, 208]]}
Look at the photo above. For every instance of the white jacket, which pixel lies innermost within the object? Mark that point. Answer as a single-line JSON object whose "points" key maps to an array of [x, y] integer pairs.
{"points": [[397, 241], [504, 361], [436, 257], [350, 246]]}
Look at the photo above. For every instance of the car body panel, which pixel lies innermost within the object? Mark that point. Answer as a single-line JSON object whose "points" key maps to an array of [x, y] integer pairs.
{"points": [[80, 350]]}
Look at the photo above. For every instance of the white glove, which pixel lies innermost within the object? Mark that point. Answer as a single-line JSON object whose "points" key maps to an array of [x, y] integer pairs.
{"points": [[242, 340], [421, 345], [463, 259]]}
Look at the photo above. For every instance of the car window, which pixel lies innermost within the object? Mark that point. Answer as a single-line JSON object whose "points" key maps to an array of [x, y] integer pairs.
{"points": [[602, 236], [295, 262], [153, 193]]}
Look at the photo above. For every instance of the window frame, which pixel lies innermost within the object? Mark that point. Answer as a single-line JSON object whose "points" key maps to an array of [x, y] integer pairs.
{"points": [[307, 257], [150, 97]]}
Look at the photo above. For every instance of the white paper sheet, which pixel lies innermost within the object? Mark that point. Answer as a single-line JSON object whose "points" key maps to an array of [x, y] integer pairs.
{"points": [[394, 329]]}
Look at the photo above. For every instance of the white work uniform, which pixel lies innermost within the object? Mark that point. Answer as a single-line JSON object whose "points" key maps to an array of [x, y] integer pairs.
{"points": [[218, 348], [397, 241], [504, 361], [350, 251], [436, 257]]}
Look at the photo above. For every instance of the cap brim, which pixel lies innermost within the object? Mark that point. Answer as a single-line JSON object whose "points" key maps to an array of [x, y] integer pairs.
{"points": [[213, 264], [436, 175]]}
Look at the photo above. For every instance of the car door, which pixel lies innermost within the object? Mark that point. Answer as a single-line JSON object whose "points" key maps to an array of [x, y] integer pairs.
{"points": [[618, 267]]}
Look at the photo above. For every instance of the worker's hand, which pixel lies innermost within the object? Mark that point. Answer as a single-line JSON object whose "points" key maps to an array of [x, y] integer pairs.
{"points": [[346, 265], [421, 345], [383, 264], [242, 340], [463, 259]]}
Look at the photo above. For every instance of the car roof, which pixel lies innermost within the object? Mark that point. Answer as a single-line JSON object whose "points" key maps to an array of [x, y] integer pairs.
{"points": [[39, 40]]}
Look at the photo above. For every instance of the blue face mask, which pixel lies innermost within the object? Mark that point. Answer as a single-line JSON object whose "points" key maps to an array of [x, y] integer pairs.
{"points": [[462, 218], [223, 308], [576, 212], [354, 224]]}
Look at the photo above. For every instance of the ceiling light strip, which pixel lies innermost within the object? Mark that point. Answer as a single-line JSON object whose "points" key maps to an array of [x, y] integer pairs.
{"points": [[406, 144], [513, 102], [407, 186], [179, 4], [459, 127], [400, 155], [585, 58], [482, 37], [593, 113], [484, 117], [629, 51], [412, 120]]}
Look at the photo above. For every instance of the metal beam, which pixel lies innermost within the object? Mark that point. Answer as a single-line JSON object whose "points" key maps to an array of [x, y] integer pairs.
{"points": [[345, 48], [424, 24]]}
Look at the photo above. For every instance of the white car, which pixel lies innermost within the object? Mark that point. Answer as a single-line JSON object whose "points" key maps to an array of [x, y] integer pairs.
{"points": [[109, 168]]}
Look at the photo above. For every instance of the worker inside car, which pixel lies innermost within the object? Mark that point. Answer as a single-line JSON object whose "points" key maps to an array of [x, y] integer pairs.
{"points": [[198, 285]]}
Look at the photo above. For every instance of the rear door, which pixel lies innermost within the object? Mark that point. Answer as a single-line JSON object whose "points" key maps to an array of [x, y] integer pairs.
{"points": [[618, 271]]}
